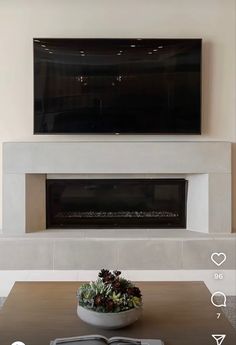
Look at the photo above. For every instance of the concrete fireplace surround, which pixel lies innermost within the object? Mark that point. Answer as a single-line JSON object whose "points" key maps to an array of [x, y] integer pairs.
{"points": [[25, 244], [206, 165]]}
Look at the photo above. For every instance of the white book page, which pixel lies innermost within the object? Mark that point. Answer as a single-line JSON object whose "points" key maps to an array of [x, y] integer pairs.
{"points": [[81, 340], [151, 342]]}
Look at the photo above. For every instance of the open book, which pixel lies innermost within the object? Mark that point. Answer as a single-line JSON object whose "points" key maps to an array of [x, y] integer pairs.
{"points": [[100, 340]]}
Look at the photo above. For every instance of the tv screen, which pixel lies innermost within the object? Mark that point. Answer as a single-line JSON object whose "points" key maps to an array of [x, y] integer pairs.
{"points": [[137, 86]]}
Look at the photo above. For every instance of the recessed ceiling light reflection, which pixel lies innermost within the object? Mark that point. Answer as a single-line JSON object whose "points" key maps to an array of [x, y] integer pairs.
{"points": [[150, 53], [50, 52], [155, 50], [43, 45], [36, 40], [160, 47], [132, 45]]}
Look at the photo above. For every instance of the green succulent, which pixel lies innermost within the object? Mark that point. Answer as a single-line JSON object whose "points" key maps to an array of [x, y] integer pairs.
{"points": [[109, 293], [116, 297], [136, 301]]}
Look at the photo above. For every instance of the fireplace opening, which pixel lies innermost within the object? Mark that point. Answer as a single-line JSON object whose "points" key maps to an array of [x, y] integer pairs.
{"points": [[116, 203]]}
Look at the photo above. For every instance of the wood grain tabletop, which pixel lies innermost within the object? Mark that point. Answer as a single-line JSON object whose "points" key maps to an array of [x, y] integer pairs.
{"points": [[179, 313]]}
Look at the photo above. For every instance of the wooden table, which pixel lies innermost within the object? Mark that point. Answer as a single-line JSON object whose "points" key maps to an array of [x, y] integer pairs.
{"points": [[179, 313]]}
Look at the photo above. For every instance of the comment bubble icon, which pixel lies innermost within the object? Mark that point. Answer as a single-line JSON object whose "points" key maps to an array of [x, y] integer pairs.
{"points": [[218, 299]]}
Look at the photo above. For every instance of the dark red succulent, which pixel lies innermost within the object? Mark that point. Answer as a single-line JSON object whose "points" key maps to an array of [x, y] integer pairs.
{"points": [[107, 276], [98, 300], [134, 291], [117, 273], [116, 285], [109, 305], [103, 273]]}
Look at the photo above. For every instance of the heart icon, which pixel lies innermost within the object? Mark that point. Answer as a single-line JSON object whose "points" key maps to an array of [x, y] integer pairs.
{"points": [[218, 258]]}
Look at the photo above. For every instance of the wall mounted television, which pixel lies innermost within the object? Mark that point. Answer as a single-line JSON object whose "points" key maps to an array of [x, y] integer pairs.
{"points": [[117, 86]]}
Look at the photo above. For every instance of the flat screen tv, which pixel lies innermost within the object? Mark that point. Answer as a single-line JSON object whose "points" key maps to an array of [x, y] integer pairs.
{"points": [[117, 86]]}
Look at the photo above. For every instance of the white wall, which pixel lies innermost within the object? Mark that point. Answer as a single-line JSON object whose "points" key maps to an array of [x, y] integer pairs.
{"points": [[212, 20]]}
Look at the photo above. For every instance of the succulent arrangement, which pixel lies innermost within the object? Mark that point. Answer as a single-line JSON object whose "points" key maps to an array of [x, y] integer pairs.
{"points": [[110, 293]]}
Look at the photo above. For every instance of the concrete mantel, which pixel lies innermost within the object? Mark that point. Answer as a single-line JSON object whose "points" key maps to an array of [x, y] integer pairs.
{"points": [[206, 165], [116, 157]]}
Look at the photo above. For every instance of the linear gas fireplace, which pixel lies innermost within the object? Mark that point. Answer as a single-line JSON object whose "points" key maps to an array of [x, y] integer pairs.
{"points": [[116, 203]]}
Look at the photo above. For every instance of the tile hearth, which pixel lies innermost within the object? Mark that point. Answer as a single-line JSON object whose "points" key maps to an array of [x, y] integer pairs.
{"points": [[153, 249]]}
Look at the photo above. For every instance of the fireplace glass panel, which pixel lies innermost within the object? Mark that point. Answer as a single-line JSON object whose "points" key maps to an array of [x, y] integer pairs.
{"points": [[116, 203]]}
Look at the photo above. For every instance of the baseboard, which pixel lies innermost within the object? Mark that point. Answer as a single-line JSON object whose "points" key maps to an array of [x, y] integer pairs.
{"points": [[226, 285]]}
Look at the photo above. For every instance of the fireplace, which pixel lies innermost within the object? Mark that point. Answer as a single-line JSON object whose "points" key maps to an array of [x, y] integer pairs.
{"points": [[116, 203], [206, 166]]}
